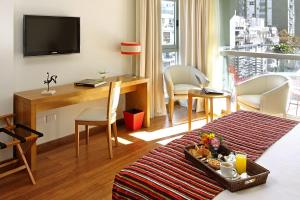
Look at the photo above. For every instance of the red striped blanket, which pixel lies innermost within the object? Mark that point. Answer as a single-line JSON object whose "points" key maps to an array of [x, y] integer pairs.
{"points": [[164, 173]]}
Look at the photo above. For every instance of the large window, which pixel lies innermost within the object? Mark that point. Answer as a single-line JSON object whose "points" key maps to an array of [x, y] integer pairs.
{"points": [[169, 17]]}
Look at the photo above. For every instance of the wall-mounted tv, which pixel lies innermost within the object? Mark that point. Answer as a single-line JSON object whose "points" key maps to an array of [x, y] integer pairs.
{"points": [[48, 35]]}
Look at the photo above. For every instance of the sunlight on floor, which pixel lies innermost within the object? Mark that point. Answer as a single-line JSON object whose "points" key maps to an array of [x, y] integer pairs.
{"points": [[166, 141], [123, 141], [161, 133]]}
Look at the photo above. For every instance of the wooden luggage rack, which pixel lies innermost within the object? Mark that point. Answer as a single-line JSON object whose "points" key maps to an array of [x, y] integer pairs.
{"points": [[16, 142]]}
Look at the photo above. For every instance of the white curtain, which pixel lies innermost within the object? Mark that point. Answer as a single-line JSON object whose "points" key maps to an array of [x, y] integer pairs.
{"points": [[149, 64], [199, 38], [199, 35]]}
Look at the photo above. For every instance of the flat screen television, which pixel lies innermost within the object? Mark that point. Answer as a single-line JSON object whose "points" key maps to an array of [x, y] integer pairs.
{"points": [[48, 35]]}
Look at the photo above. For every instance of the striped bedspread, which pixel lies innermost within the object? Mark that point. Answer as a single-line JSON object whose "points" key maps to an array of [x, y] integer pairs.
{"points": [[164, 173]]}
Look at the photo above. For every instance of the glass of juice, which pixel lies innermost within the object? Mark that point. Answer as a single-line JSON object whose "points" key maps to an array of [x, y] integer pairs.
{"points": [[240, 162]]}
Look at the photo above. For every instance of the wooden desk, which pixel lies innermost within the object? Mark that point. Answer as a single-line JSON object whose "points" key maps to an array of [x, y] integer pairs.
{"points": [[209, 110], [28, 103]]}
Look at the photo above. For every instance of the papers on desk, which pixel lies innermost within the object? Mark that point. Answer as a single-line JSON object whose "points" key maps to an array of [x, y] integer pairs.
{"points": [[90, 82]]}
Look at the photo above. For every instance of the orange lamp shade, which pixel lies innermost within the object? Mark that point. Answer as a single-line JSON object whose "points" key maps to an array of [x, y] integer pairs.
{"points": [[131, 48]]}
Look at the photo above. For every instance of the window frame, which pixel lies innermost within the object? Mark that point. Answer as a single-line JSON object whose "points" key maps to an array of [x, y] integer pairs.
{"points": [[175, 47]]}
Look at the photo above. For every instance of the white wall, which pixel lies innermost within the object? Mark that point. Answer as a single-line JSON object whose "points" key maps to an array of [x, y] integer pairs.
{"points": [[6, 63], [104, 24]]}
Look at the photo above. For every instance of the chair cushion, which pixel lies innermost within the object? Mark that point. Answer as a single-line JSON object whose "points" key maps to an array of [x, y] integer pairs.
{"points": [[250, 100], [184, 88], [94, 114]]}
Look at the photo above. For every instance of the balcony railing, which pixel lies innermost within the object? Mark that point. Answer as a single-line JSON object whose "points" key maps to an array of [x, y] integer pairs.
{"points": [[249, 61]]}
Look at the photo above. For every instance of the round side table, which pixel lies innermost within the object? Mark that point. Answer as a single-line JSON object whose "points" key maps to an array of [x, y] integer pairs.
{"points": [[208, 109]]}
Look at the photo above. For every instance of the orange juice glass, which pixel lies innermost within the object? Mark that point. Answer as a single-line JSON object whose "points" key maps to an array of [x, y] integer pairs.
{"points": [[240, 162]]}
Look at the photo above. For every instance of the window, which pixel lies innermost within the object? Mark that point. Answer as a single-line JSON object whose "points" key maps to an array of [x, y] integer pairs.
{"points": [[169, 19]]}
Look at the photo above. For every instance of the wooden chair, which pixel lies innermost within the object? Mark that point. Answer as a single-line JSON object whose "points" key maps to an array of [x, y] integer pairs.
{"points": [[101, 117], [9, 130]]}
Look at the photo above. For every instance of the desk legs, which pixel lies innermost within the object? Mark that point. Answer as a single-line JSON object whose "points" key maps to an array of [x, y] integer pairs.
{"points": [[140, 99], [211, 110], [211, 107], [32, 156], [206, 109], [190, 108], [25, 114], [228, 104]]}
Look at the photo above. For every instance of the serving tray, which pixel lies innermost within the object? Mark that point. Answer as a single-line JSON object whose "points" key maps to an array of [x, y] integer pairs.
{"points": [[257, 174]]}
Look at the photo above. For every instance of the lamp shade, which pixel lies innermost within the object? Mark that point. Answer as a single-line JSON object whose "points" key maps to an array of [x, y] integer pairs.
{"points": [[131, 48]]}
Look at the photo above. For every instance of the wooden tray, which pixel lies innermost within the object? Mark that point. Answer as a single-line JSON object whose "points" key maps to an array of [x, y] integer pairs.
{"points": [[257, 174]]}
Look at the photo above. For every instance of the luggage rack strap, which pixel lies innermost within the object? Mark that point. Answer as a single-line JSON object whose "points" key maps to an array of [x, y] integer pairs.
{"points": [[39, 134], [2, 145], [18, 137]]}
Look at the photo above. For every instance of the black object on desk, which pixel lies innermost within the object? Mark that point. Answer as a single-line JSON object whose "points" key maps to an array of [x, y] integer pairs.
{"points": [[212, 91]]}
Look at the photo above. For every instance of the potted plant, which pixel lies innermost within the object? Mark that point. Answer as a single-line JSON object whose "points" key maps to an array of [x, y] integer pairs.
{"points": [[284, 48]]}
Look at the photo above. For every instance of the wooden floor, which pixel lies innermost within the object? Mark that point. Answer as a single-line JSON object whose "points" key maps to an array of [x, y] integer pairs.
{"points": [[62, 176]]}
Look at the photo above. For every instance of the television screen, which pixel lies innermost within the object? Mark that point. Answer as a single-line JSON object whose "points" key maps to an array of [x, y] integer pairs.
{"points": [[46, 35]]}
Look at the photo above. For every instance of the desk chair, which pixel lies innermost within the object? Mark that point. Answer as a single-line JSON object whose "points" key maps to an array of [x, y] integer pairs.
{"points": [[101, 117], [16, 141]]}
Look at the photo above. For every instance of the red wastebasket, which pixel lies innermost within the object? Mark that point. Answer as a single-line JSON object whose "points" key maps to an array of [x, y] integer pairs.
{"points": [[133, 119]]}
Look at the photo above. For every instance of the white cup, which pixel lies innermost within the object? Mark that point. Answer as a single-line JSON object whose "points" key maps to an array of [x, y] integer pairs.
{"points": [[227, 169]]}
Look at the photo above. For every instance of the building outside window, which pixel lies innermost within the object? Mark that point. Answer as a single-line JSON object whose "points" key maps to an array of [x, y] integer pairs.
{"points": [[257, 26], [169, 17], [279, 13]]}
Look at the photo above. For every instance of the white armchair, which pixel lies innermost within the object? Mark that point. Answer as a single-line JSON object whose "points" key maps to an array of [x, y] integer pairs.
{"points": [[179, 80], [266, 93]]}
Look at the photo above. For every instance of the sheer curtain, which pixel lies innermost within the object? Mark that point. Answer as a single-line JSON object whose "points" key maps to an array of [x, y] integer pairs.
{"points": [[149, 64], [199, 38], [199, 35]]}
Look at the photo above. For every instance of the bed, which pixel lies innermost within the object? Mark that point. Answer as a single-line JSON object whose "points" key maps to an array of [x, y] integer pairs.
{"points": [[164, 173]]}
